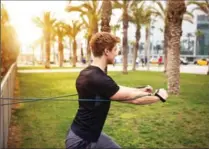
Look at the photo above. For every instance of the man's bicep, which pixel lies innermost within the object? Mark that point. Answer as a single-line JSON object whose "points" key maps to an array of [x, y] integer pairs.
{"points": [[121, 94]]}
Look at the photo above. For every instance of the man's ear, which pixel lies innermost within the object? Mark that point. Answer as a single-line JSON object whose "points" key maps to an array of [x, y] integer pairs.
{"points": [[106, 52]]}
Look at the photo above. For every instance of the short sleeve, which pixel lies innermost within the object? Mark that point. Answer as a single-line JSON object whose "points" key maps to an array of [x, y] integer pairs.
{"points": [[105, 86]]}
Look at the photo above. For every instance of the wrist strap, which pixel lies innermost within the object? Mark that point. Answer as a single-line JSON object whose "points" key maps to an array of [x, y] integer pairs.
{"points": [[161, 98]]}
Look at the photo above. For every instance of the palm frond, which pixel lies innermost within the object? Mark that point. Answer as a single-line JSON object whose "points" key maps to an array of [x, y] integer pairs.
{"points": [[38, 22], [187, 13], [74, 8], [117, 5], [87, 6], [158, 13], [188, 19], [95, 5], [202, 6], [160, 5], [85, 22]]}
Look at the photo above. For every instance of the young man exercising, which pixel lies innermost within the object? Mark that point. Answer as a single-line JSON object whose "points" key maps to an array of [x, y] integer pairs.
{"points": [[94, 84]]}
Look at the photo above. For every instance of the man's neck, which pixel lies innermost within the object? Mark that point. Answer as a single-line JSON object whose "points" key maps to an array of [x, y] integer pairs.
{"points": [[99, 62]]}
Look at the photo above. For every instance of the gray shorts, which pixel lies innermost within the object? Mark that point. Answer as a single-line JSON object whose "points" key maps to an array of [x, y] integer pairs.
{"points": [[75, 142]]}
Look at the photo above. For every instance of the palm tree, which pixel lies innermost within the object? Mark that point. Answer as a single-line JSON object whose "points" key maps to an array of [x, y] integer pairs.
{"points": [[148, 25], [124, 5], [139, 16], [60, 30], [202, 6], [91, 11], [174, 17], [73, 31], [161, 12], [46, 23], [4, 15], [10, 45], [106, 17]]}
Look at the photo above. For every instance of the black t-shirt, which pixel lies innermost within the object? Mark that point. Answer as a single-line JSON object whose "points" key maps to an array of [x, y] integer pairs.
{"points": [[92, 83]]}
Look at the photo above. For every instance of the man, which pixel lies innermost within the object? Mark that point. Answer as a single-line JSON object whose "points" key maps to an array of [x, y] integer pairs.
{"points": [[160, 61], [99, 88]]}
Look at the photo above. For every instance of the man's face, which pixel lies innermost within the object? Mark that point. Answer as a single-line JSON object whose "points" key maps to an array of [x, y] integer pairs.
{"points": [[111, 55]]}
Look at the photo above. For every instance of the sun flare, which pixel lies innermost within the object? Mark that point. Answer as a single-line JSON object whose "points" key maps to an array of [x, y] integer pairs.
{"points": [[22, 12]]}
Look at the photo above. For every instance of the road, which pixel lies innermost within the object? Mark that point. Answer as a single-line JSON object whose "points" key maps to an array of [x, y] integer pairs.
{"points": [[193, 69]]}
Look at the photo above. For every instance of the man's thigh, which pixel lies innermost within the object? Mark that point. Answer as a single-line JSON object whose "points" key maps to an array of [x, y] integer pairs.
{"points": [[105, 141]]}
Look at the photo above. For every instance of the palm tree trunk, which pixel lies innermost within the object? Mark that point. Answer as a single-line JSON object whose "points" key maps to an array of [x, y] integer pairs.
{"points": [[165, 47], [125, 41], [74, 52], [95, 30], [146, 42], [136, 47], [70, 49], [47, 46], [147, 46], [176, 10], [33, 55], [88, 51], [61, 55], [42, 51], [106, 17]]}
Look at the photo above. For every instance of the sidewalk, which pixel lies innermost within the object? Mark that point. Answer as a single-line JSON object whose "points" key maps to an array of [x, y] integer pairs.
{"points": [[193, 69]]}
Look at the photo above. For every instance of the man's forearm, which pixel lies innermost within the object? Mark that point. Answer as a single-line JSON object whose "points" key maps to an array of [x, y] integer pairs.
{"points": [[146, 100], [132, 89], [141, 98], [126, 93]]}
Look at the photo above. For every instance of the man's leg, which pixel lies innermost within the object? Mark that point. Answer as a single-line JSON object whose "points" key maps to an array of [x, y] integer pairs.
{"points": [[75, 142], [105, 141]]}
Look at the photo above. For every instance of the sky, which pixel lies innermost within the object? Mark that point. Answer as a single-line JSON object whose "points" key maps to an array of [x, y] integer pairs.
{"points": [[21, 13]]}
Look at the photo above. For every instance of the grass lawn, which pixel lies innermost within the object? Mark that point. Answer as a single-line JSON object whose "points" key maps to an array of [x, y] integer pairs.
{"points": [[42, 67], [181, 122]]}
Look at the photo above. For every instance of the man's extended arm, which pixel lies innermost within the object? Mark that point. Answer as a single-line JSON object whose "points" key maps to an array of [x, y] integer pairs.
{"points": [[133, 96], [146, 88]]}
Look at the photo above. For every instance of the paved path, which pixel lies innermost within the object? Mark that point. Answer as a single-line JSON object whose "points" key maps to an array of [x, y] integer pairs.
{"points": [[194, 69]]}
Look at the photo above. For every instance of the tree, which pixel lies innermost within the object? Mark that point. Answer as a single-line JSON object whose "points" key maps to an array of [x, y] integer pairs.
{"points": [[46, 23], [124, 5], [60, 30], [91, 11], [161, 12], [106, 17], [73, 31], [139, 16], [10, 45], [174, 17]]}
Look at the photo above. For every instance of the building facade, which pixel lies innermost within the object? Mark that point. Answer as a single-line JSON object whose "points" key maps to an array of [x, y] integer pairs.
{"points": [[202, 39]]}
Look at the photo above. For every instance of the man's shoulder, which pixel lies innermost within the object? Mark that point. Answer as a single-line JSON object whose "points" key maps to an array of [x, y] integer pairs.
{"points": [[89, 70]]}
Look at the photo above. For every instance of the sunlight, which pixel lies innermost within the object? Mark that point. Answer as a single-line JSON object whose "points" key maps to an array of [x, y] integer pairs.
{"points": [[22, 12]]}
